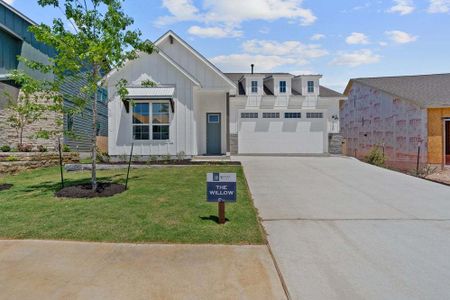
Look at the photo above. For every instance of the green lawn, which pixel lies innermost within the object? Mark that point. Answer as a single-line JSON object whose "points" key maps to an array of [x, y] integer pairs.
{"points": [[161, 205]]}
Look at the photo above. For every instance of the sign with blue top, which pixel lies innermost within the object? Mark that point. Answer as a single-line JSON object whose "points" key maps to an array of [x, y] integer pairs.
{"points": [[221, 187]]}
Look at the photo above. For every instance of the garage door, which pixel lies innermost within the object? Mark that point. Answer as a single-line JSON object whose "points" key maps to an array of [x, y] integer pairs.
{"points": [[281, 132]]}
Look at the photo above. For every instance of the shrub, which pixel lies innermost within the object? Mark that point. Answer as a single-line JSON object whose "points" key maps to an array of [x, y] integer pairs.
{"points": [[24, 147], [12, 158], [102, 157], [181, 155], [5, 148], [152, 159], [167, 158], [376, 157], [42, 148], [66, 148]]}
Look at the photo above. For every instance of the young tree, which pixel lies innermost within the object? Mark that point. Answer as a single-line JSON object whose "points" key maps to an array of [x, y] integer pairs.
{"points": [[98, 41], [27, 108]]}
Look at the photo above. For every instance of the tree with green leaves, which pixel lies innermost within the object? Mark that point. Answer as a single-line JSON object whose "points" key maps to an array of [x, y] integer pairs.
{"points": [[98, 40], [28, 108]]}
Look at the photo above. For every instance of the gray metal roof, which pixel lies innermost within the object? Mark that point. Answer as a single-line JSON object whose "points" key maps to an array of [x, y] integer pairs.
{"points": [[236, 77], [425, 90]]}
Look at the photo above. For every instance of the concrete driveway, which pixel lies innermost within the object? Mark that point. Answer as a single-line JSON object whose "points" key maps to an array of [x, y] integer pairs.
{"points": [[76, 270], [342, 229]]}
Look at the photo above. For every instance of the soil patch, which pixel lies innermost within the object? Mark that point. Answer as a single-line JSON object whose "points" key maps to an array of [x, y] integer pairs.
{"points": [[85, 190], [5, 186]]}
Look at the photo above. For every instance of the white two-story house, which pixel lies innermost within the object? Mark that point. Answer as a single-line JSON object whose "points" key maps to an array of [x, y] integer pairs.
{"points": [[195, 109], [279, 113]]}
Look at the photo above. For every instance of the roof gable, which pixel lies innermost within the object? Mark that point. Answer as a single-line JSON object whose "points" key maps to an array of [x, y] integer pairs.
{"points": [[192, 61]]}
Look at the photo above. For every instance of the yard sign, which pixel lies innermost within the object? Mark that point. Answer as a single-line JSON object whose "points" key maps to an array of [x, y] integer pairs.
{"points": [[221, 188]]}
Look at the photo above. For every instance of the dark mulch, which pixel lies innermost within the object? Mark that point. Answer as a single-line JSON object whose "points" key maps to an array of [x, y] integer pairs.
{"points": [[85, 190], [5, 186]]}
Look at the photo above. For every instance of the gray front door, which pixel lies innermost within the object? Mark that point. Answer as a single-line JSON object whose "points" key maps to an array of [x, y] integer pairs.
{"points": [[213, 134]]}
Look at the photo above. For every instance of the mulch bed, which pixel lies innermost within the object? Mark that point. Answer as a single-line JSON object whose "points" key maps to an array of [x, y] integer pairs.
{"points": [[5, 186], [85, 190]]}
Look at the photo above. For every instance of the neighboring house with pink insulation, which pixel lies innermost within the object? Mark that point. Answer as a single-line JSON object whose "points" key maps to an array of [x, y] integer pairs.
{"points": [[393, 113]]}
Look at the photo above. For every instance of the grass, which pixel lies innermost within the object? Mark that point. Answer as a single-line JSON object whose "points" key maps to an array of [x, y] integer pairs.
{"points": [[164, 205]]}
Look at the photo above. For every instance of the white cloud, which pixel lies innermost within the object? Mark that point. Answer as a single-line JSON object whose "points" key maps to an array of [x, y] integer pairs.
{"points": [[269, 55], [439, 6], [402, 7], [318, 37], [356, 58], [180, 10], [294, 49], [383, 44], [231, 13], [214, 32], [400, 37], [241, 62], [237, 11], [357, 38]]}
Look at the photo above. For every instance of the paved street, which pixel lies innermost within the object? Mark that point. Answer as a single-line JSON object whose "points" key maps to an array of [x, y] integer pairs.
{"points": [[76, 270], [342, 229]]}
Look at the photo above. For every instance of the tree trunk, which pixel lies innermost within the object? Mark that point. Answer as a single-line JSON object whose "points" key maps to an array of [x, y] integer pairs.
{"points": [[94, 134], [20, 136]]}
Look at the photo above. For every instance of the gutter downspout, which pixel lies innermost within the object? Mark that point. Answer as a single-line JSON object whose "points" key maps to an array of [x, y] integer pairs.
{"points": [[228, 123]]}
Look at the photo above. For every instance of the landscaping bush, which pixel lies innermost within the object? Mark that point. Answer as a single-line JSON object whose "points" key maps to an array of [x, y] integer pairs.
{"points": [[42, 148], [12, 158], [5, 148], [181, 155], [25, 147], [102, 157], [66, 148], [376, 157]]}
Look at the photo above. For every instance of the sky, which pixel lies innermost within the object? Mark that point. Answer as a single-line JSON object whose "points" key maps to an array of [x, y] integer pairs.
{"points": [[339, 39]]}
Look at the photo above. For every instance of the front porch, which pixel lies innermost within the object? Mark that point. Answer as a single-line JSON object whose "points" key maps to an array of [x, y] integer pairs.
{"points": [[211, 115]]}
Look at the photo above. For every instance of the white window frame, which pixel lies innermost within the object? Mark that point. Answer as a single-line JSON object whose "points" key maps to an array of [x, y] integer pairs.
{"points": [[254, 91], [297, 113], [271, 115], [150, 124], [315, 115], [249, 115], [308, 86], [285, 87]]}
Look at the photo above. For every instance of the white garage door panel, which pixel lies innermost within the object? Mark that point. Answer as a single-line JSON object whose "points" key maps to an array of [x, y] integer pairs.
{"points": [[271, 136]]}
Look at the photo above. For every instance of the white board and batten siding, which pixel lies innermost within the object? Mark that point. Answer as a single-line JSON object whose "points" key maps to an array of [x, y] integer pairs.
{"points": [[181, 122], [201, 71]]}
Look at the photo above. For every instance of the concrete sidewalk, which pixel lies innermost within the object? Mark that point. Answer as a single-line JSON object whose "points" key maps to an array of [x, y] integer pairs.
{"points": [[77, 270]]}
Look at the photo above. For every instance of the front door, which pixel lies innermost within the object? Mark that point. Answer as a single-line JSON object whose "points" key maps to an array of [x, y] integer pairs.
{"points": [[447, 142], [213, 134]]}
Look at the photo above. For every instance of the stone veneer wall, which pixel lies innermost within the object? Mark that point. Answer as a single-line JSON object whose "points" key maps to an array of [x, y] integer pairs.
{"points": [[8, 135], [233, 144], [12, 162]]}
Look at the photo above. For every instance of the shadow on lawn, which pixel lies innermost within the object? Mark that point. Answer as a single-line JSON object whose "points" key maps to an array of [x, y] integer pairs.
{"points": [[54, 186], [213, 219]]}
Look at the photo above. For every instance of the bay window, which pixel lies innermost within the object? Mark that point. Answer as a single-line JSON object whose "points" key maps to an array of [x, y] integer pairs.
{"points": [[151, 121]]}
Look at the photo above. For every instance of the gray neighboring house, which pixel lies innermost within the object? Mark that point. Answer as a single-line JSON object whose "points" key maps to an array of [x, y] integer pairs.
{"points": [[15, 39]]}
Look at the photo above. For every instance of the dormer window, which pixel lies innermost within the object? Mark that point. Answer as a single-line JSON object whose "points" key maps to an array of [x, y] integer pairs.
{"points": [[282, 87], [254, 86], [310, 87]]}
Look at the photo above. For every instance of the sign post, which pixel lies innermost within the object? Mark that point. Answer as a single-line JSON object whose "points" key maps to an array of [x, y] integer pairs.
{"points": [[221, 188]]}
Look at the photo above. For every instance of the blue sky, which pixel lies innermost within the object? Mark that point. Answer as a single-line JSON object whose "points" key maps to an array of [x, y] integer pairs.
{"points": [[339, 39]]}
